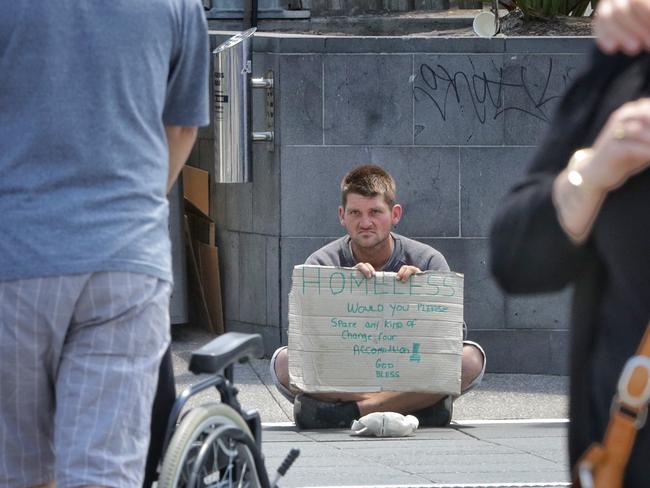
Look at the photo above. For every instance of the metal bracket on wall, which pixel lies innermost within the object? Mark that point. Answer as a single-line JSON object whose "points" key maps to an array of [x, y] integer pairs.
{"points": [[268, 84]]}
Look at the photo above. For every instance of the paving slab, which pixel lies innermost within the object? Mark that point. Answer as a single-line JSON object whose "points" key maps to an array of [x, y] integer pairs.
{"points": [[511, 431], [463, 454]]}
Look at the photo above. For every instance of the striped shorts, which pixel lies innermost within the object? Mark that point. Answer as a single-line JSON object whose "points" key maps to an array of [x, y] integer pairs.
{"points": [[79, 358]]}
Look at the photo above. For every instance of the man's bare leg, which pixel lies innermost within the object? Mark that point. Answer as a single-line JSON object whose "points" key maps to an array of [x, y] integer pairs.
{"points": [[402, 402]]}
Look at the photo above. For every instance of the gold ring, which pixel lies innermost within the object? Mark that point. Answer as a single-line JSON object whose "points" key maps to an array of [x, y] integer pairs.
{"points": [[619, 133]]}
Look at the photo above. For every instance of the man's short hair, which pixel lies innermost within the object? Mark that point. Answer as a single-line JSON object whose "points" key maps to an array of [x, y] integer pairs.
{"points": [[368, 180]]}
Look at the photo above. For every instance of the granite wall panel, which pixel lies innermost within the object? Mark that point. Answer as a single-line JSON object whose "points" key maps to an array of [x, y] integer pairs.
{"points": [[524, 351], [535, 84], [559, 343], [544, 311], [486, 175], [458, 99], [310, 178], [367, 99], [252, 282], [272, 281], [239, 202], [301, 99], [484, 302], [228, 243]]}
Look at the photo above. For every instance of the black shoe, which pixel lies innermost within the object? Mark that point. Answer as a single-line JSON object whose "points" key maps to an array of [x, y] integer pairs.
{"points": [[310, 413], [437, 415]]}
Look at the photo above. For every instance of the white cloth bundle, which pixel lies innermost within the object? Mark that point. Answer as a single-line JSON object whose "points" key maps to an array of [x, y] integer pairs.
{"points": [[385, 424]]}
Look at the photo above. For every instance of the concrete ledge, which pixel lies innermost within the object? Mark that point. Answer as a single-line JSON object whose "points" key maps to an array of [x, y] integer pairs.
{"points": [[296, 43]]}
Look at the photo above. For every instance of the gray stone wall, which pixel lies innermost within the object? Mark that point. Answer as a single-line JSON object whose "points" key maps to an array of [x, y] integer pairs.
{"points": [[455, 120], [342, 7]]}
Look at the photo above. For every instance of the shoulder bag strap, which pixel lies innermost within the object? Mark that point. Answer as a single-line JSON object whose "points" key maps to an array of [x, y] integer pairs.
{"points": [[603, 465]]}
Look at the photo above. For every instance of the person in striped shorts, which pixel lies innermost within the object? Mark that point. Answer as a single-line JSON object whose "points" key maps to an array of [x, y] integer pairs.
{"points": [[99, 108]]}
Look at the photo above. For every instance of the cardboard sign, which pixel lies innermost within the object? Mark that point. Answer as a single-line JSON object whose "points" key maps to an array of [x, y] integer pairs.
{"points": [[352, 334]]}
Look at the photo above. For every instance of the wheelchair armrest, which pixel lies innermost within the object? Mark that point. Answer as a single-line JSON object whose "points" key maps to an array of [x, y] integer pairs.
{"points": [[226, 350]]}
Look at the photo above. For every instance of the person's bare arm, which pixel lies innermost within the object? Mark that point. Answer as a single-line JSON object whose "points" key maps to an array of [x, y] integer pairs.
{"points": [[623, 26], [180, 140], [621, 150], [577, 206]]}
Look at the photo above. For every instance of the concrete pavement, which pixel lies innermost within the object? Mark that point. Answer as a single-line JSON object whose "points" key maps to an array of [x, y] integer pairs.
{"points": [[510, 431]]}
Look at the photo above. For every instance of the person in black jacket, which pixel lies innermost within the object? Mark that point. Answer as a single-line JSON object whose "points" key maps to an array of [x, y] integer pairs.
{"points": [[582, 217]]}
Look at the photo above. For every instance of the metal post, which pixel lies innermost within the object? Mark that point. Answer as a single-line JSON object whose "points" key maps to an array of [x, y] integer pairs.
{"points": [[232, 110], [233, 134]]}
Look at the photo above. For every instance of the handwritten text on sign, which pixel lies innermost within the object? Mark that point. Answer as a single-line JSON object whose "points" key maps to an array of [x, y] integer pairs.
{"points": [[349, 333]]}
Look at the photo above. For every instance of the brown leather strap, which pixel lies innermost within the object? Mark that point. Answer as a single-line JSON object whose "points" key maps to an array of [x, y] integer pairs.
{"points": [[604, 465], [644, 347]]}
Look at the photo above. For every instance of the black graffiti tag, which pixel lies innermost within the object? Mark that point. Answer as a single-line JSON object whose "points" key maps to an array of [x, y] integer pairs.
{"points": [[442, 87]]}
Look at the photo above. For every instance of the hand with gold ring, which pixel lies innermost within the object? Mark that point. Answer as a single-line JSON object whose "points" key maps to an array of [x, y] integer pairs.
{"points": [[619, 133], [622, 149]]}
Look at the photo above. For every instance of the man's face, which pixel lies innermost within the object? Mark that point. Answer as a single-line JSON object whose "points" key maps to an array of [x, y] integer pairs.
{"points": [[368, 220]]}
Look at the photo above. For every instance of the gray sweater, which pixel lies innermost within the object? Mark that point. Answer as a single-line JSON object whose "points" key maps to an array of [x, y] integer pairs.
{"points": [[407, 251]]}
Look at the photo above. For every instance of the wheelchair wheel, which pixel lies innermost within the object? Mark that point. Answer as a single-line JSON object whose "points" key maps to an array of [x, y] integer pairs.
{"points": [[226, 462]]}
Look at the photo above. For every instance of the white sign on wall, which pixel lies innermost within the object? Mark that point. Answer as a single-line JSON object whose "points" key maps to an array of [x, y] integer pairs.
{"points": [[352, 334]]}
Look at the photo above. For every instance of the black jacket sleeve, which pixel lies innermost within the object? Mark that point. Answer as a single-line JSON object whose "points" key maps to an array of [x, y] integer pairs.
{"points": [[529, 251]]}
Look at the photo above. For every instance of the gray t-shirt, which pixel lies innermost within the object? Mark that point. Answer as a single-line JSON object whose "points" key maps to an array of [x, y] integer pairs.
{"points": [[406, 251], [86, 89]]}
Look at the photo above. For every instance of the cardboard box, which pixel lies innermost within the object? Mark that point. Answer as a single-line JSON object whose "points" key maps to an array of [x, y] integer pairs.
{"points": [[196, 187], [206, 306], [208, 266], [352, 334], [198, 307], [202, 227]]}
